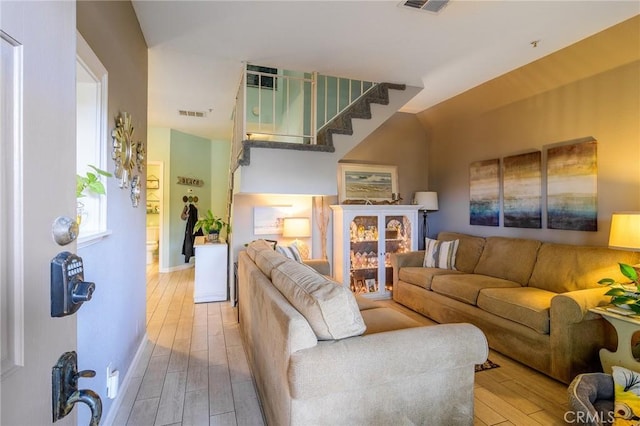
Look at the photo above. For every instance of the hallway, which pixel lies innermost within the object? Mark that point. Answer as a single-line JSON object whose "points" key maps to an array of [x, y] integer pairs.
{"points": [[193, 369]]}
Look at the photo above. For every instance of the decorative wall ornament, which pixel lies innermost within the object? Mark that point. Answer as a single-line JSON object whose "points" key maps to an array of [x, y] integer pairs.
{"points": [[484, 192], [135, 191], [189, 181], [522, 190], [126, 153], [572, 186]]}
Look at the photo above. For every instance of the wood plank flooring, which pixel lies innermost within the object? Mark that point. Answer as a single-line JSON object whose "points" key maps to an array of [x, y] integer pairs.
{"points": [[194, 371]]}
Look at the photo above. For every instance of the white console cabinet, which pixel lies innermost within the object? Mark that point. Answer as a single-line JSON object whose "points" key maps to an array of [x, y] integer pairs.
{"points": [[364, 237], [211, 272]]}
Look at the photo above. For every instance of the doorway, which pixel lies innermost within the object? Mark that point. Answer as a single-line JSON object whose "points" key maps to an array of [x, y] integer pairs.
{"points": [[154, 209]]}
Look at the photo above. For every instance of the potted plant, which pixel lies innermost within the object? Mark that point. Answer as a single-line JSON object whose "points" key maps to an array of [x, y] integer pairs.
{"points": [[89, 184], [211, 226], [624, 295]]}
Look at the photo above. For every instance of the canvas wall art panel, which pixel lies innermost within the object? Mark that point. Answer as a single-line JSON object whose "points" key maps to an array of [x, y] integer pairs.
{"points": [[522, 190], [484, 193], [269, 220], [572, 186]]}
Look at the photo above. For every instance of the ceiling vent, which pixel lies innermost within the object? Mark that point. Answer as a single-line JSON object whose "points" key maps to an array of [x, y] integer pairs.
{"points": [[198, 114], [433, 6]]}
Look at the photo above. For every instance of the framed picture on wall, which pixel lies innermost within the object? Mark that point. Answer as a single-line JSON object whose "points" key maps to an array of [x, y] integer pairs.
{"points": [[367, 182], [269, 220]]}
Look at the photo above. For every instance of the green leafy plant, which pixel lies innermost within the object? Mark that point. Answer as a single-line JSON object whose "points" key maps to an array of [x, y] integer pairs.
{"points": [[624, 294], [91, 182], [211, 224]]}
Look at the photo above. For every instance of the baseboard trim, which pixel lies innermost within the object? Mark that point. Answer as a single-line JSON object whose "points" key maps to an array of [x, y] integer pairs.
{"points": [[124, 386]]}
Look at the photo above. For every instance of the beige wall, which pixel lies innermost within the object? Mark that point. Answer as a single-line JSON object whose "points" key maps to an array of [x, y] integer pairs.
{"points": [[487, 122], [400, 141], [112, 325]]}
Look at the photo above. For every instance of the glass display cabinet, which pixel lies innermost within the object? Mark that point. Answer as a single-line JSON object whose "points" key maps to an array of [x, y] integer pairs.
{"points": [[364, 237]]}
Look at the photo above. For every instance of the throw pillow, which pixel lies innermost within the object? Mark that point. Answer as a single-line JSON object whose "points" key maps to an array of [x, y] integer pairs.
{"points": [[440, 254], [291, 252], [626, 397]]}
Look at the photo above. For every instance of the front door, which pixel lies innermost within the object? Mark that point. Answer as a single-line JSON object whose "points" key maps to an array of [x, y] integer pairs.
{"points": [[37, 178]]}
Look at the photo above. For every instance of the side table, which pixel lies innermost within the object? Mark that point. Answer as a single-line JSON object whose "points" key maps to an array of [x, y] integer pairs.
{"points": [[626, 324]]}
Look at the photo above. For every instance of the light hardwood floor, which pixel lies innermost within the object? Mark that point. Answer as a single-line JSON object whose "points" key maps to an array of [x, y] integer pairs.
{"points": [[194, 371]]}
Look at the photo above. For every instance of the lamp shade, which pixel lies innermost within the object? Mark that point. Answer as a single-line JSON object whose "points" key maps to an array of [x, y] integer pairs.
{"points": [[625, 231], [428, 200], [296, 227]]}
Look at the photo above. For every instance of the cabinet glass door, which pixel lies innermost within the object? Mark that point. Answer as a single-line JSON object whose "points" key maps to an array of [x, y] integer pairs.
{"points": [[397, 239], [364, 254]]}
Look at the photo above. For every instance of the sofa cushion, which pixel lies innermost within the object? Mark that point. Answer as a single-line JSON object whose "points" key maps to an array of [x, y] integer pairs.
{"points": [[267, 260], [563, 267], [383, 319], [466, 287], [291, 252], [525, 305], [469, 249], [440, 254], [330, 308], [508, 258], [257, 245], [422, 277]]}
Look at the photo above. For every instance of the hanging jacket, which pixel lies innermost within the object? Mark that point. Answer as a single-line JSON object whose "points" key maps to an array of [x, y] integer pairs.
{"points": [[189, 236]]}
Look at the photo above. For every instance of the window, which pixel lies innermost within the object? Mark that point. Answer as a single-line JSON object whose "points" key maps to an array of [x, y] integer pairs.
{"points": [[256, 77], [91, 142]]}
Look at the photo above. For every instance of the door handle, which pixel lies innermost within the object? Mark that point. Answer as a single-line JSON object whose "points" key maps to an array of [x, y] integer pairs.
{"points": [[65, 392]]}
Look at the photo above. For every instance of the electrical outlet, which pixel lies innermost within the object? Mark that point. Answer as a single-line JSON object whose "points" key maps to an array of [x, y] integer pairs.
{"points": [[113, 378]]}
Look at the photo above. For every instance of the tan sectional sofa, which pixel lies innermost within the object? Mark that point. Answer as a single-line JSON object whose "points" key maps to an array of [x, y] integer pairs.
{"points": [[530, 298], [371, 365]]}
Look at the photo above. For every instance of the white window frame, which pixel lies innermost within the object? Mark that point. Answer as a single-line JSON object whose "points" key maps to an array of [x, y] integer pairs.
{"points": [[96, 206]]}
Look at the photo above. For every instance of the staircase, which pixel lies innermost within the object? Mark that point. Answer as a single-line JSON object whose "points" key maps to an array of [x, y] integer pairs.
{"points": [[342, 123], [294, 168]]}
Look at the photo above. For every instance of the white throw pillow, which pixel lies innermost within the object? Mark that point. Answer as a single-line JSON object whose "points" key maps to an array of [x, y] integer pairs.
{"points": [[291, 252], [440, 254]]}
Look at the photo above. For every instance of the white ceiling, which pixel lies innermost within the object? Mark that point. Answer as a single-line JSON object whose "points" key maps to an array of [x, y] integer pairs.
{"points": [[197, 48]]}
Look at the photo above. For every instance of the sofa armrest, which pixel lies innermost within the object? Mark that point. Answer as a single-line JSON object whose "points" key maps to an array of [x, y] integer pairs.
{"points": [[573, 306], [322, 266], [577, 335], [364, 362], [410, 258]]}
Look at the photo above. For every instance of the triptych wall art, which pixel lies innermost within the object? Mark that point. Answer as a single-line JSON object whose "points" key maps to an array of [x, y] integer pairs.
{"points": [[571, 188]]}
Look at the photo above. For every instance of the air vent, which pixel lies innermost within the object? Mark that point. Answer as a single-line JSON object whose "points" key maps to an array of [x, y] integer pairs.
{"points": [[198, 114], [433, 6]]}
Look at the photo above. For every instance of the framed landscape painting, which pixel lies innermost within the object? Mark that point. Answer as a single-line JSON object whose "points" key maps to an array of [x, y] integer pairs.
{"points": [[367, 182], [484, 193], [572, 196]]}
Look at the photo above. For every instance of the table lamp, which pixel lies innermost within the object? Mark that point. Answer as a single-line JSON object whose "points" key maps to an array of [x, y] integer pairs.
{"points": [[428, 202], [625, 231], [297, 227]]}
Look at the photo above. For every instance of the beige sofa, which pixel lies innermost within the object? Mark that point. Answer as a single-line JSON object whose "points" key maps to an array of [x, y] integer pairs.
{"points": [[372, 365], [530, 298]]}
